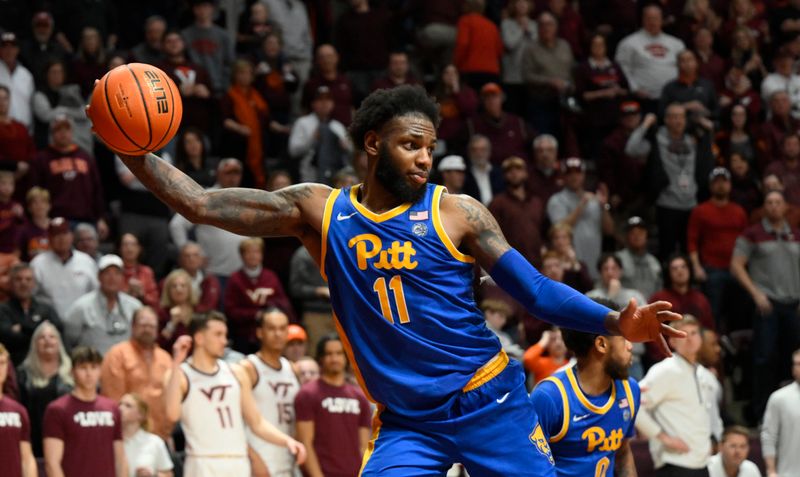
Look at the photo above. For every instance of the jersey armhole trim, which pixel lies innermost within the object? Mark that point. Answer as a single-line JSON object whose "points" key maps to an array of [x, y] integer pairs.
{"points": [[188, 385], [250, 362], [436, 218], [565, 403], [326, 222], [629, 394]]}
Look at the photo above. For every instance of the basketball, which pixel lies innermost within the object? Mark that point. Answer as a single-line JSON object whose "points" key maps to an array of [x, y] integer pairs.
{"points": [[135, 109]]}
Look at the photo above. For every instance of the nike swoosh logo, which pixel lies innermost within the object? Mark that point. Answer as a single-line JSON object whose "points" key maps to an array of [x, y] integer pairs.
{"points": [[341, 217], [503, 399], [580, 418]]}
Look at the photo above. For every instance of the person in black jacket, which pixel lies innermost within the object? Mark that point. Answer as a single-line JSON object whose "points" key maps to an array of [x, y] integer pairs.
{"points": [[676, 170]]}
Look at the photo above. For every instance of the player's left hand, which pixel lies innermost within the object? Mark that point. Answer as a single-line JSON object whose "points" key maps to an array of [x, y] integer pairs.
{"points": [[647, 323], [297, 449]]}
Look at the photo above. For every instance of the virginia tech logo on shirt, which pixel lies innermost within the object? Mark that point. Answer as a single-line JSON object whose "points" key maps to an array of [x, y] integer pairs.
{"points": [[10, 419], [259, 296], [94, 419], [597, 440], [397, 257], [210, 392]]}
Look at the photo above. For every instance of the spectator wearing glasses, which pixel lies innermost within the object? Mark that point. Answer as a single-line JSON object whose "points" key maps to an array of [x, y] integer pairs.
{"points": [[101, 318]]}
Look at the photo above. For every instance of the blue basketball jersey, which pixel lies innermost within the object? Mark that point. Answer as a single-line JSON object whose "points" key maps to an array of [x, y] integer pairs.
{"points": [[402, 299], [585, 432]]}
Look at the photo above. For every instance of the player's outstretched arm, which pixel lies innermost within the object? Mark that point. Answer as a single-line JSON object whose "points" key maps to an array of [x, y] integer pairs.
{"points": [[238, 210], [260, 426], [468, 220]]}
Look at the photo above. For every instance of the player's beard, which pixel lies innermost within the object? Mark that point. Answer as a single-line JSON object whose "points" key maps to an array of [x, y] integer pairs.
{"points": [[615, 369], [395, 181]]}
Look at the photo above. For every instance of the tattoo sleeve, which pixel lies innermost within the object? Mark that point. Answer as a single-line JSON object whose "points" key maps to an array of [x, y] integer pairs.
{"points": [[484, 238], [238, 210]]}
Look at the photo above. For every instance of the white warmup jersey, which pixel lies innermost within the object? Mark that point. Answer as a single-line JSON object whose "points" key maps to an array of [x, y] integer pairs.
{"points": [[274, 393], [211, 417]]}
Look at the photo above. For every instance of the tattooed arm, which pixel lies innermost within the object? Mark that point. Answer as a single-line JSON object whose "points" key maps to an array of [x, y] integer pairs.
{"points": [[238, 210], [624, 465], [471, 227]]}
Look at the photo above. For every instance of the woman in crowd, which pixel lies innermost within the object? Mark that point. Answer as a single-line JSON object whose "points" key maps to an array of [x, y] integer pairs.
{"points": [[146, 453], [744, 54], [192, 157], [56, 98], [745, 189], [90, 62], [457, 102], [43, 377], [245, 115], [140, 281], [737, 138], [254, 25], [576, 274], [33, 238], [178, 299]]}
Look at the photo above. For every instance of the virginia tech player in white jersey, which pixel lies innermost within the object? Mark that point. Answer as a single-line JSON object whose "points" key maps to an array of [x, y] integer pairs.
{"points": [[274, 393], [214, 401], [274, 383]]}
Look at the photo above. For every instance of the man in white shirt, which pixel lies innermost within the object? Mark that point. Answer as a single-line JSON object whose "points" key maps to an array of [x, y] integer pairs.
{"points": [[221, 247], [483, 181], [783, 79], [18, 80], [649, 57], [673, 414], [63, 274], [780, 432], [731, 461]]}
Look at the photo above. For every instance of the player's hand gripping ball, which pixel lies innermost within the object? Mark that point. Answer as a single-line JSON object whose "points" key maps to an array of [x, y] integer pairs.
{"points": [[135, 109]]}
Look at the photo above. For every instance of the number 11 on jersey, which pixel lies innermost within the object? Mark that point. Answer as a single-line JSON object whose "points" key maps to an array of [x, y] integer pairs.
{"points": [[396, 285]]}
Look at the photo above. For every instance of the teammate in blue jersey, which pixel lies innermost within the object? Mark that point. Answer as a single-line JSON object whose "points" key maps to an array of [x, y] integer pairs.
{"points": [[587, 411], [398, 254]]}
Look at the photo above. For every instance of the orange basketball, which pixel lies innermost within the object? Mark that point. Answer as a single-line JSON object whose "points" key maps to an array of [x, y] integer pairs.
{"points": [[135, 108]]}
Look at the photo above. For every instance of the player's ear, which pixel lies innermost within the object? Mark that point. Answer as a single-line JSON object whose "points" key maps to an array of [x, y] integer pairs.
{"points": [[372, 143], [601, 344]]}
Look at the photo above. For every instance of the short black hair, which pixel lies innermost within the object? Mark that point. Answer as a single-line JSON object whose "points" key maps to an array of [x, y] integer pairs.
{"points": [[383, 105], [579, 342], [199, 321], [323, 342], [268, 311], [85, 354], [606, 257]]}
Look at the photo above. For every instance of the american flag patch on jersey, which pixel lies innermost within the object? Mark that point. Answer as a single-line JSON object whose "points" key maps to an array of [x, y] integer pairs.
{"points": [[623, 403], [418, 215]]}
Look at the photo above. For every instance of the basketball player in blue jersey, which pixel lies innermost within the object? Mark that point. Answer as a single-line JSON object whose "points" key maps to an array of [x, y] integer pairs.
{"points": [[587, 411], [399, 254]]}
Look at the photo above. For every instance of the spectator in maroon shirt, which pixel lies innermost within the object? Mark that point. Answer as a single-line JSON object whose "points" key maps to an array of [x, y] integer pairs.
{"points": [[72, 177], [507, 132], [15, 430], [545, 176], [787, 168], [600, 85], [82, 430], [327, 74], [576, 273], [620, 172], [363, 60], [398, 73], [90, 61], [738, 90], [11, 215], [178, 301], [140, 281], [457, 103], [332, 454], [570, 25], [779, 124], [519, 212], [745, 187], [191, 79], [710, 65], [17, 149], [713, 228], [684, 298], [249, 291], [276, 81]]}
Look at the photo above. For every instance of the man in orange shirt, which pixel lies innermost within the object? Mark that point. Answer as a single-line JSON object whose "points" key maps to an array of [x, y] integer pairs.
{"points": [[479, 47], [139, 366], [543, 366]]}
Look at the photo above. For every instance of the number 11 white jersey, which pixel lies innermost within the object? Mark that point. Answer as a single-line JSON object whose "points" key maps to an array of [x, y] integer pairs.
{"points": [[211, 413]]}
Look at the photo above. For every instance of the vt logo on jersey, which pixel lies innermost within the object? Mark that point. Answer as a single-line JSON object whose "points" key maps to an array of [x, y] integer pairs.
{"points": [[396, 257], [596, 436], [209, 393]]}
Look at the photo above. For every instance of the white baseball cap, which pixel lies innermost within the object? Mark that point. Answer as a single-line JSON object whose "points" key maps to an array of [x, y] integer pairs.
{"points": [[452, 163]]}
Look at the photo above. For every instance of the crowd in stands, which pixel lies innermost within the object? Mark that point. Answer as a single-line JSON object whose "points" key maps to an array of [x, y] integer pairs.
{"points": [[632, 150]]}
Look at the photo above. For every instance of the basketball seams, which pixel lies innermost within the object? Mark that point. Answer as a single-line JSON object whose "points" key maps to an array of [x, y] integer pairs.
{"points": [[105, 80], [146, 110]]}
